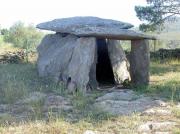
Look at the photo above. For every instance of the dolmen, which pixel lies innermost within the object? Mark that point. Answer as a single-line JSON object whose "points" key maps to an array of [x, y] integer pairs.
{"points": [[85, 52]]}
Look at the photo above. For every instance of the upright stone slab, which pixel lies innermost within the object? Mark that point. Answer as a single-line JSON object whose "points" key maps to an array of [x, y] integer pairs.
{"points": [[81, 62], [118, 61], [54, 54], [139, 62], [92, 74], [68, 59]]}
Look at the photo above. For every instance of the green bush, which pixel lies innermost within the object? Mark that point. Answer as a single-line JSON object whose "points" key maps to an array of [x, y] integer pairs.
{"points": [[1, 40], [21, 36]]}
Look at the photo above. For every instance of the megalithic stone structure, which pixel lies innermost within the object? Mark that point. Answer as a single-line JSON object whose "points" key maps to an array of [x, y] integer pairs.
{"points": [[85, 53], [139, 62]]}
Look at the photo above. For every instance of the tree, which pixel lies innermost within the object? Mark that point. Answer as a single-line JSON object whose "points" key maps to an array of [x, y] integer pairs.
{"points": [[23, 37], [4, 31], [156, 13]]}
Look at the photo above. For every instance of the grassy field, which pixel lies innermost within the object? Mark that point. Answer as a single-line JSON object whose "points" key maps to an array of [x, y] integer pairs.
{"points": [[19, 80], [164, 80]]}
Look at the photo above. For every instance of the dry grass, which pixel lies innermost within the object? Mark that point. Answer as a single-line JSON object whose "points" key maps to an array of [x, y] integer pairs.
{"points": [[113, 125], [164, 80], [17, 80]]}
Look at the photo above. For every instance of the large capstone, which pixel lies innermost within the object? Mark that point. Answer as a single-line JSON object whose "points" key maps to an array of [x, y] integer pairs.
{"points": [[68, 59], [93, 27], [68, 25]]}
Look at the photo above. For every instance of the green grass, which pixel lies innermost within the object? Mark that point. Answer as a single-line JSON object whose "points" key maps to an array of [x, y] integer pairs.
{"points": [[1, 39], [176, 112], [3, 44], [6, 118], [37, 109], [81, 101], [164, 80], [116, 125], [176, 131], [162, 67], [17, 80]]}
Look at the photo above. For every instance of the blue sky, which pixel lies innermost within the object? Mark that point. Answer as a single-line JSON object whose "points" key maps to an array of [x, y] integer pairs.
{"points": [[36, 11]]}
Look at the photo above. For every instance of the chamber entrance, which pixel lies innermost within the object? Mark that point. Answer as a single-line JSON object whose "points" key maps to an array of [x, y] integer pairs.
{"points": [[104, 72]]}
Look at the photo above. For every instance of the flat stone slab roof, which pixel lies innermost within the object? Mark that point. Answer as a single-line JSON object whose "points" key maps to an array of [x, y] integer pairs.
{"points": [[93, 27]]}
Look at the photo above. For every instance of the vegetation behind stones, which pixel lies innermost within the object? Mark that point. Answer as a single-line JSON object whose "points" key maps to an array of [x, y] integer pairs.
{"points": [[19, 36]]}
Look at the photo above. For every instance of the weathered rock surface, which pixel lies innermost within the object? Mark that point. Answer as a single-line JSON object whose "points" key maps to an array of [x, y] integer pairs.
{"points": [[121, 95], [3, 108], [119, 61], [178, 105], [156, 126], [139, 61], [54, 50], [161, 103], [68, 59], [55, 103], [67, 25], [36, 103], [89, 132], [33, 97], [126, 102], [92, 26], [162, 133], [92, 74], [157, 111]]}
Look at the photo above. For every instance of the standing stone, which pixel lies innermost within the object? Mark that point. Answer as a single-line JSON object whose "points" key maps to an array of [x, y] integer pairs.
{"points": [[118, 61], [81, 62], [92, 75], [68, 59], [139, 62], [54, 54]]}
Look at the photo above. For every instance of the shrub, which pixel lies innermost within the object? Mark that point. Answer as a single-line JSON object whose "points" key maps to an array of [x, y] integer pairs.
{"points": [[23, 37]]}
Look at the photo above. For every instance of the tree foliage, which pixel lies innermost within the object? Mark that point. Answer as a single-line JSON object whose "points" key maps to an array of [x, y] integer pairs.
{"points": [[4, 31], [156, 12], [26, 37]]}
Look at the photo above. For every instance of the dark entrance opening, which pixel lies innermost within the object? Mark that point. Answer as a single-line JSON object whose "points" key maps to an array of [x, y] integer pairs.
{"points": [[104, 72]]}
